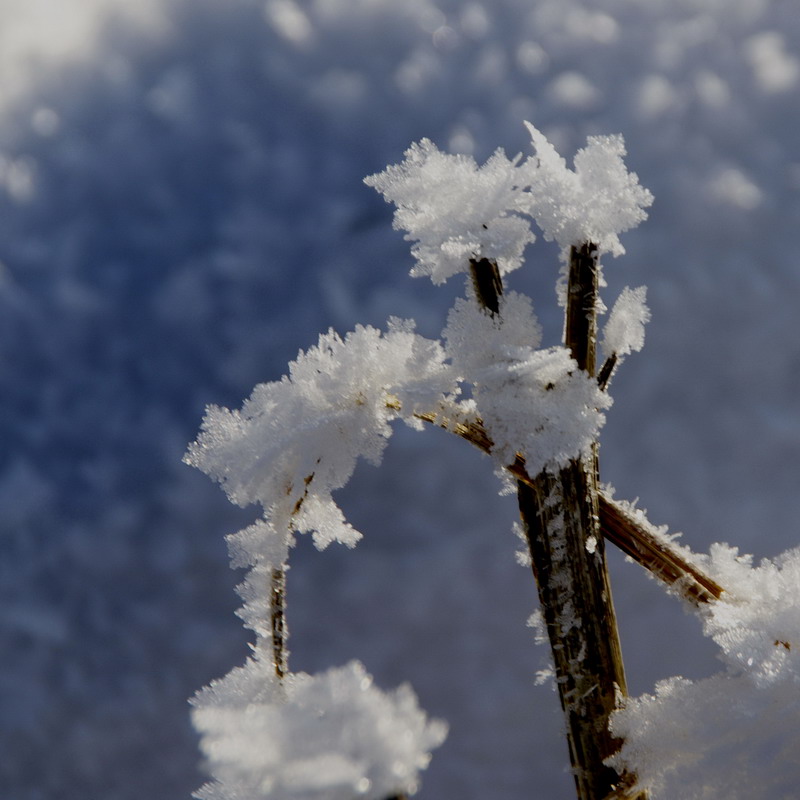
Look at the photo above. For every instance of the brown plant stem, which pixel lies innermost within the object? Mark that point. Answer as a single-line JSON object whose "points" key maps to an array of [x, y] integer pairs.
{"points": [[277, 600], [560, 514], [634, 539]]}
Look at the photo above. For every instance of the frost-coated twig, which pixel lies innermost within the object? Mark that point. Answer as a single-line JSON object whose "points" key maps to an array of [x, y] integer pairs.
{"points": [[616, 524], [560, 513], [666, 563], [277, 595]]}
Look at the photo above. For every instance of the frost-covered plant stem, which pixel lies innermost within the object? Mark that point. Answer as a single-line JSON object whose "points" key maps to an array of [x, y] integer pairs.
{"points": [[654, 554], [657, 555], [277, 597], [560, 513]]}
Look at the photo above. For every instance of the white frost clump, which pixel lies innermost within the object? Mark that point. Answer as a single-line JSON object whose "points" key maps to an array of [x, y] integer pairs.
{"points": [[455, 211], [331, 736], [624, 331], [533, 402], [298, 439], [735, 735], [594, 203]]}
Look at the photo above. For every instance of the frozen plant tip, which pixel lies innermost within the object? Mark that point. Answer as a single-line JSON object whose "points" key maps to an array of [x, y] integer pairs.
{"points": [[454, 210], [595, 202]]}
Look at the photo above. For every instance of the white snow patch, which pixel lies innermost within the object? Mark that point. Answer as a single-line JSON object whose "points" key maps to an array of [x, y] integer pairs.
{"points": [[455, 211], [735, 735]]}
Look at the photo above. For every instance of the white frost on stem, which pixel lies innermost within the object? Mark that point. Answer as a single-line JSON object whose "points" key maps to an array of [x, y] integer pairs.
{"points": [[331, 736], [735, 735], [297, 440], [455, 211], [595, 202], [624, 331], [533, 402]]}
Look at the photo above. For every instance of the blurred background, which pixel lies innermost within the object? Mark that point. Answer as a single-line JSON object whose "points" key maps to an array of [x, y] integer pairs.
{"points": [[181, 210]]}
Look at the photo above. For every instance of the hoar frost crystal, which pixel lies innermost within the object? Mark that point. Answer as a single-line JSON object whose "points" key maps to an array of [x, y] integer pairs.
{"points": [[297, 440]]}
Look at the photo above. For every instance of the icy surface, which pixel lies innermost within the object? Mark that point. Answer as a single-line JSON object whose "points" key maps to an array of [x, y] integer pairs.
{"points": [[331, 736]]}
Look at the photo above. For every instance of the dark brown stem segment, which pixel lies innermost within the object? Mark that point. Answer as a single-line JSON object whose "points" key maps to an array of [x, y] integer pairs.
{"points": [[560, 513], [634, 539], [277, 596], [487, 283]]}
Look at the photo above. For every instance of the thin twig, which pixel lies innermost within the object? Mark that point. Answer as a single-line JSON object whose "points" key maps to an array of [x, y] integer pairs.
{"points": [[655, 555], [277, 597], [604, 376]]}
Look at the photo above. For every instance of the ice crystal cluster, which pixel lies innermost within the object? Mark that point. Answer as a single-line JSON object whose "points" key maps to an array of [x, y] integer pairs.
{"points": [[736, 734], [332, 736], [297, 440]]}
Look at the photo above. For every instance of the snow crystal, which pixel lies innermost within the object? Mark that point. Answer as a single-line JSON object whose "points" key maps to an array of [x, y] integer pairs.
{"points": [[332, 736], [263, 549], [455, 211], [594, 203], [715, 739], [258, 543], [533, 402], [757, 622], [474, 338], [624, 331], [298, 439], [523, 555], [735, 735]]}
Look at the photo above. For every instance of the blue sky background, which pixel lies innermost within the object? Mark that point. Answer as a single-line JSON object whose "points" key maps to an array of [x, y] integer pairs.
{"points": [[181, 210]]}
